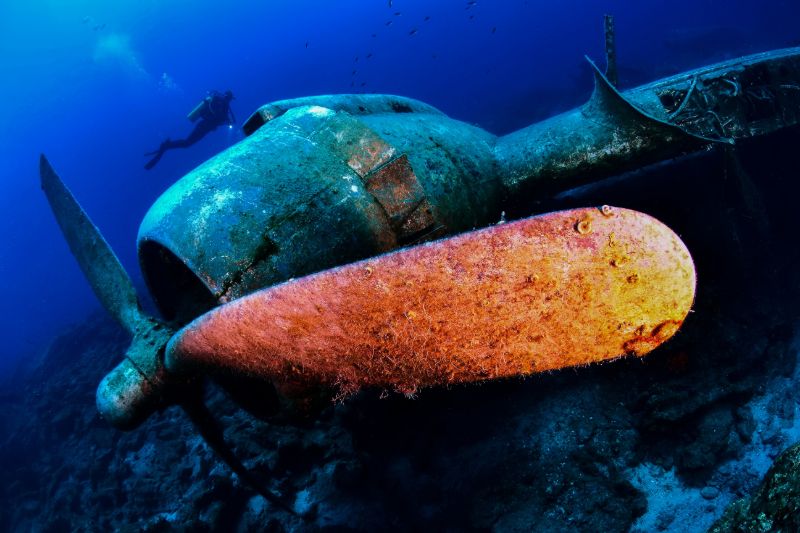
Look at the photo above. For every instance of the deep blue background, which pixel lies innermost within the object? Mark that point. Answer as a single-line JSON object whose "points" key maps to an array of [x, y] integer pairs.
{"points": [[83, 81]]}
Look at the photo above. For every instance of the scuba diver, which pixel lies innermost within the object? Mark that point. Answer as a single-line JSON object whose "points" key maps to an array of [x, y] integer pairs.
{"points": [[213, 111]]}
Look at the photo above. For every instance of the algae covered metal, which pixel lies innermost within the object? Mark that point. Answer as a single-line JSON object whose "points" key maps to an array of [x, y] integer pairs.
{"points": [[619, 131], [325, 181], [313, 188]]}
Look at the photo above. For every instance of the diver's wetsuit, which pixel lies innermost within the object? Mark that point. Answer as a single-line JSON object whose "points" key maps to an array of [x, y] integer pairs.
{"points": [[216, 112]]}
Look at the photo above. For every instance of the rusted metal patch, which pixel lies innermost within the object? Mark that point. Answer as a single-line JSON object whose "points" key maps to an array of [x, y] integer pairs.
{"points": [[361, 148], [558, 290], [388, 177], [397, 189], [371, 152]]}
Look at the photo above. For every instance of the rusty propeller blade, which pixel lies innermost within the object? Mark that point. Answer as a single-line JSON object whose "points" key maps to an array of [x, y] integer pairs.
{"points": [[558, 290], [138, 386], [95, 257]]}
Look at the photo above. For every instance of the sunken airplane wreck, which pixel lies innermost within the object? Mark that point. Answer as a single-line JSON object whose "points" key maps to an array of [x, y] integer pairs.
{"points": [[326, 251]]}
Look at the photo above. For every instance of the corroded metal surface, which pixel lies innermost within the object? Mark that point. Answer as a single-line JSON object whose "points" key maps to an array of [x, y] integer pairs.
{"points": [[611, 50], [735, 99], [140, 384], [311, 189], [99, 264], [619, 131], [397, 189], [607, 135], [558, 290], [323, 181], [134, 389], [352, 104], [279, 204], [327, 180]]}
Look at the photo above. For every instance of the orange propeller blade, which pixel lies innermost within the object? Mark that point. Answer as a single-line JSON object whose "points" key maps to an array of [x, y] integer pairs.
{"points": [[558, 290]]}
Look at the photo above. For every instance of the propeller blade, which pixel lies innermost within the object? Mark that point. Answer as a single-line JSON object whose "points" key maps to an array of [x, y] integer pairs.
{"points": [[203, 421], [108, 279], [558, 290], [139, 385]]}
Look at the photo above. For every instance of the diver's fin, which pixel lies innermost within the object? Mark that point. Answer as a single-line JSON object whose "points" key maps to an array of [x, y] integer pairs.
{"points": [[101, 267], [157, 155], [607, 100], [212, 434]]}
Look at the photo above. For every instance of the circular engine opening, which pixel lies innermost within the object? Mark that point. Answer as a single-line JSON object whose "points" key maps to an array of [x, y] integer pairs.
{"points": [[178, 293]]}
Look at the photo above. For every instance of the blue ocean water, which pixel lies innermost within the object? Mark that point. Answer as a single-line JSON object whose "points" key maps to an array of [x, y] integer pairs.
{"points": [[94, 85]]}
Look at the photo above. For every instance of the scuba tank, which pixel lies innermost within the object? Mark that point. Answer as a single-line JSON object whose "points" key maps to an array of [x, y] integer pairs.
{"points": [[197, 112]]}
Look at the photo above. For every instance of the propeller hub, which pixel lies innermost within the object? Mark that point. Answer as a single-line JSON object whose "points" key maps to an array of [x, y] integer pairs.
{"points": [[139, 385], [125, 398]]}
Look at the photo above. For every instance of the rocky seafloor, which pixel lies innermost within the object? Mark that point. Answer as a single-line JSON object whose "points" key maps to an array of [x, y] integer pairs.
{"points": [[667, 442]]}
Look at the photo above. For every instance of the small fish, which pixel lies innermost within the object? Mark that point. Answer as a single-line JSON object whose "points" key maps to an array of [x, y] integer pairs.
{"points": [[413, 32], [390, 3], [389, 23], [398, 14], [363, 83], [374, 35], [471, 4], [494, 29], [471, 17], [427, 18], [355, 60], [306, 44], [99, 27], [369, 55], [353, 73]]}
